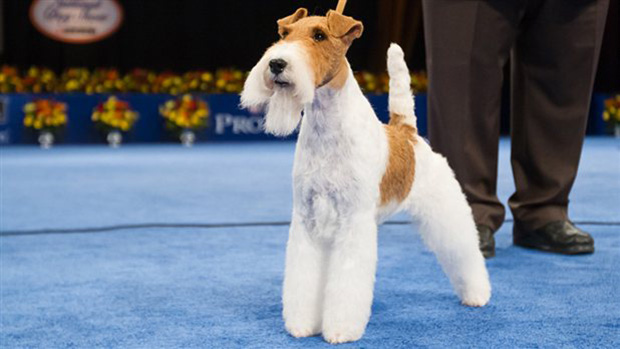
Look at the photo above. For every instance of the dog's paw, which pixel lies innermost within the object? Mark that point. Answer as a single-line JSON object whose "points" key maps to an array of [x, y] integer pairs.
{"points": [[477, 298], [476, 292], [479, 301], [302, 331], [341, 337]]}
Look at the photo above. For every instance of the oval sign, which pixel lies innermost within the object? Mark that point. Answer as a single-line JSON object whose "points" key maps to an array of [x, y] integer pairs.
{"points": [[76, 21]]}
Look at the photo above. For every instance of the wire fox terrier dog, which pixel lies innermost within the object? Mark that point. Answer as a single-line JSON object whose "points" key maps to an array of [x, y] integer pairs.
{"points": [[352, 172]]}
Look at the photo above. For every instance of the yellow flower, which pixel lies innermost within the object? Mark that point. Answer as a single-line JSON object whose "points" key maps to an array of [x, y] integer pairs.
{"points": [[206, 76], [38, 124], [28, 121], [606, 115], [29, 108], [109, 104], [72, 85], [33, 71]]}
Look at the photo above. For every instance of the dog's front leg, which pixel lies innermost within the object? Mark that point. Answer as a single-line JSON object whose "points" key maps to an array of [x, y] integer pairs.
{"points": [[350, 282], [302, 295]]}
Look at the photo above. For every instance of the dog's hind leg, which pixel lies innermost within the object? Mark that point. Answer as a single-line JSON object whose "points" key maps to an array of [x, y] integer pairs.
{"points": [[302, 296], [447, 226], [350, 282]]}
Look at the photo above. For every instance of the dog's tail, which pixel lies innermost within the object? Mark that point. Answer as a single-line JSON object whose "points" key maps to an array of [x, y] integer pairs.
{"points": [[401, 103]]}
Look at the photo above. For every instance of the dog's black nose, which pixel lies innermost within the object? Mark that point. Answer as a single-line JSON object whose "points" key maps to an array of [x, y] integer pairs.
{"points": [[277, 65]]}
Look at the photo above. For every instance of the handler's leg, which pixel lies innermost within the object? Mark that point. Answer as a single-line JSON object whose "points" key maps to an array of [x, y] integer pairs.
{"points": [[467, 45], [554, 63]]}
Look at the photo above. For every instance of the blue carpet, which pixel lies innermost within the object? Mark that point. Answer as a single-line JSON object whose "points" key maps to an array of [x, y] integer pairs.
{"points": [[214, 288], [79, 186]]}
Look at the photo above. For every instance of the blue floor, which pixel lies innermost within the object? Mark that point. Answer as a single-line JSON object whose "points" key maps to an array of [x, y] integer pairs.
{"points": [[220, 287]]}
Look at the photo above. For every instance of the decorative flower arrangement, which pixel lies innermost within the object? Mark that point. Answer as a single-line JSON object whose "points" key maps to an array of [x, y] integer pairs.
{"points": [[112, 117], [38, 80], [186, 112], [229, 80], [73, 80], [419, 82], [193, 81], [114, 114], [139, 80], [185, 115], [168, 82], [10, 81], [45, 116], [367, 81], [105, 81], [380, 83], [199, 81], [611, 114]]}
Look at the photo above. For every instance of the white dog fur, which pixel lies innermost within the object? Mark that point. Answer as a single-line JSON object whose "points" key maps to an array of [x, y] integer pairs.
{"points": [[341, 156]]}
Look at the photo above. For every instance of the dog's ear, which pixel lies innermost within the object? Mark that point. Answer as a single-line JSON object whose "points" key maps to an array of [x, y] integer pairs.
{"points": [[299, 14], [344, 27]]}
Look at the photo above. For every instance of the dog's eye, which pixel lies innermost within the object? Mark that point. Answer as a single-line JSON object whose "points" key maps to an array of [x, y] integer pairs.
{"points": [[284, 34], [319, 36]]}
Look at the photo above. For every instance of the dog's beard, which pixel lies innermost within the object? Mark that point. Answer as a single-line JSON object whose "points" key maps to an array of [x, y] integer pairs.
{"points": [[283, 113], [284, 104]]}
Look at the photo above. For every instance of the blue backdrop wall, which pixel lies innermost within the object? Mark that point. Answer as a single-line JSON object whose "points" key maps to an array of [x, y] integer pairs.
{"points": [[226, 121]]}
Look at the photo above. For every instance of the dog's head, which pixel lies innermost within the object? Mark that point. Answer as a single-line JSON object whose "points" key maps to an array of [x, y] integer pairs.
{"points": [[310, 54]]}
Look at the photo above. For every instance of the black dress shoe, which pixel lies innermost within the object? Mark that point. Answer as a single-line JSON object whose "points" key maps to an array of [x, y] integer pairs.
{"points": [[558, 237], [486, 241]]}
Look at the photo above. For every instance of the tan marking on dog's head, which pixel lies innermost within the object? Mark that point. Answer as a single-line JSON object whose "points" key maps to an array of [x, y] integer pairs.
{"points": [[398, 177], [326, 40]]}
